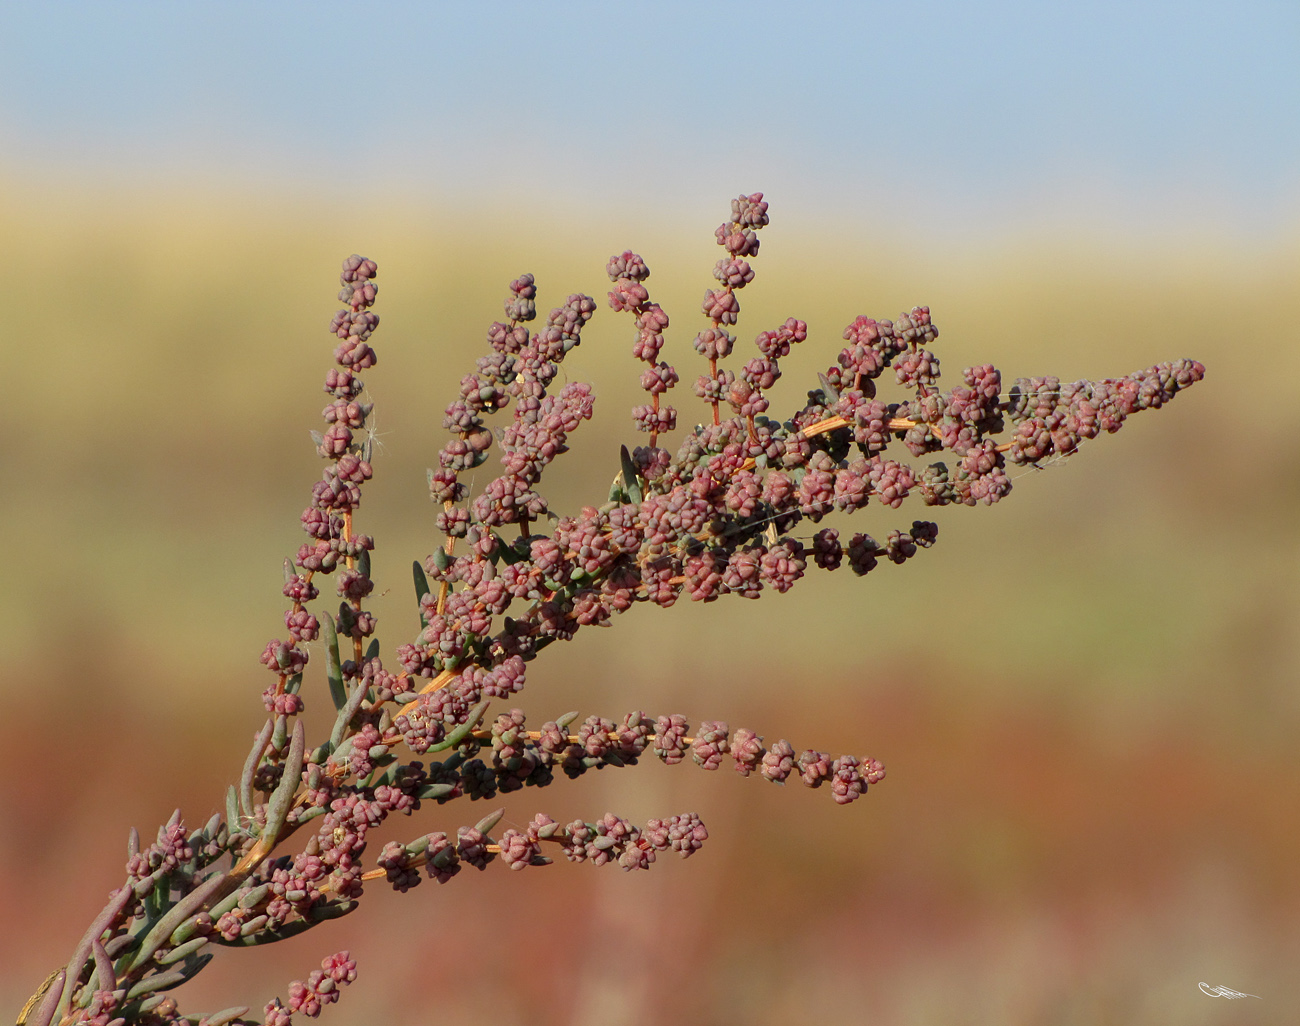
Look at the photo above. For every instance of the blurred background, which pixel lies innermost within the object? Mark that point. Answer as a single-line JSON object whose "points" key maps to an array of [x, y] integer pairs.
{"points": [[1085, 696]]}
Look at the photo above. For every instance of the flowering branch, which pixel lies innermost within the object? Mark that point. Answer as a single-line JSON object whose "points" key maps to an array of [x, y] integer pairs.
{"points": [[717, 517]]}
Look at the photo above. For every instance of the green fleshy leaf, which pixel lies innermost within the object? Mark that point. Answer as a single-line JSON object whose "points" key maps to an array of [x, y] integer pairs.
{"points": [[550, 830], [117, 902], [453, 762], [278, 807], [372, 650], [418, 846], [320, 753], [155, 903], [347, 620], [346, 712], [334, 910], [103, 978], [225, 1016], [631, 479], [250, 767], [254, 926], [511, 554], [120, 947], [183, 951], [308, 815], [485, 825], [250, 898], [166, 981], [184, 933], [444, 858], [389, 775], [280, 735], [333, 666], [433, 791], [422, 585], [227, 903], [232, 807], [461, 732], [189, 905]]}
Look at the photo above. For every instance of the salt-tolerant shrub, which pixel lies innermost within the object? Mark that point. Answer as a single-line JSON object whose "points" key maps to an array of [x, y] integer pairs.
{"points": [[734, 511]]}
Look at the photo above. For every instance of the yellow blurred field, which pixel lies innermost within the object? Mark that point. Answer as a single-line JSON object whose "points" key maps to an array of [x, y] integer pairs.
{"points": [[1086, 695]]}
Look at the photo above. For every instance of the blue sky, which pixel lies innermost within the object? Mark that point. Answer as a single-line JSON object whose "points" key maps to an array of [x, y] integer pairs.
{"points": [[952, 116]]}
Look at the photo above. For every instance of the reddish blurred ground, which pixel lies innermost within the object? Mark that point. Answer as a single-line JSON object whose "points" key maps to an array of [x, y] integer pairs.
{"points": [[1014, 867]]}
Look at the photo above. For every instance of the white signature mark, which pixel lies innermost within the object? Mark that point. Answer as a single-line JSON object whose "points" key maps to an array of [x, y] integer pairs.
{"points": [[1225, 992]]}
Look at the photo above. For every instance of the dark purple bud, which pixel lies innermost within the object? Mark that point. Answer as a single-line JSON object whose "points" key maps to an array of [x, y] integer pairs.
{"points": [[862, 554]]}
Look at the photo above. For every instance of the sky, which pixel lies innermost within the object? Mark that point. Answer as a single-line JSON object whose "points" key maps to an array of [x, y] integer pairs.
{"points": [[951, 117]]}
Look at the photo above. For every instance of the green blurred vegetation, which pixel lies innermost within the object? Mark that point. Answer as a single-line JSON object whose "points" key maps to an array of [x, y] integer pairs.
{"points": [[1127, 617]]}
